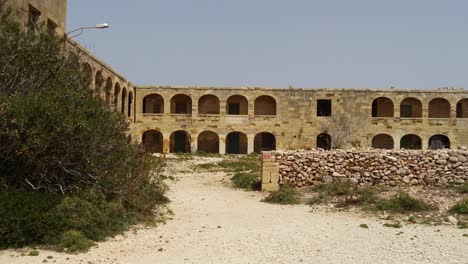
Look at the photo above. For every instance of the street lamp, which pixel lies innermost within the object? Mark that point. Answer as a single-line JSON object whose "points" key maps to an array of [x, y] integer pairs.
{"points": [[98, 26]]}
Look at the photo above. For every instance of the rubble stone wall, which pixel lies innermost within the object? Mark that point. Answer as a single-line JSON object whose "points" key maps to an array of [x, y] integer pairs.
{"points": [[372, 167]]}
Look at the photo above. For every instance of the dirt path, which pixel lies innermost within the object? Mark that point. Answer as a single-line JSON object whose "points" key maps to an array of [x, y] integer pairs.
{"points": [[215, 224]]}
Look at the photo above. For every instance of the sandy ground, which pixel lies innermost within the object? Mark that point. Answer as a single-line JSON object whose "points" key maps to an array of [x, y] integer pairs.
{"points": [[216, 224]]}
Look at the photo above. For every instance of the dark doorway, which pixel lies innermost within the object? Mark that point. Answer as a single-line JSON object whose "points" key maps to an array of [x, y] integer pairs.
{"points": [[410, 142], [439, 142], [264, 142], [180, 142], [153, 141], [234, 109], [208, 142], [324, 141], [236, 143], [324, 107]]}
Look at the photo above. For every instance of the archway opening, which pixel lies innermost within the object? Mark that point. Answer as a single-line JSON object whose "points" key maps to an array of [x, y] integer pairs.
{"points": [[116, 95], [264, 142], [208, 105], [237, 105], [411, 142], [462, 108], [265, 105], [88, 74], [439, 108], [98, 83], [383, 141], [324, 141], [181, 104], [153, 104], [236, 143], [439, 142], [180, 142], [130, 104], [411, 108], [208, 142], [153, 141], [124, 100], [382, 107], [108, 90]]}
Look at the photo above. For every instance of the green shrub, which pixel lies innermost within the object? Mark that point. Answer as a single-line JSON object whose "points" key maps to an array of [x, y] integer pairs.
{"points": [[463, 188], [65, 163], [285, 195], [73, 242], [395, 225], [249, 163], [351, 194], [460, 208], [34, 253], [463, 225], [26, 218], [402, 203], [247, 181], [363, 226]]}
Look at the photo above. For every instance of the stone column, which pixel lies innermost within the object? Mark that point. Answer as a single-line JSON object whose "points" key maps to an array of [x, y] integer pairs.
{"points": [[166, 143], [222, 144], [194, 143], [250, 143]]}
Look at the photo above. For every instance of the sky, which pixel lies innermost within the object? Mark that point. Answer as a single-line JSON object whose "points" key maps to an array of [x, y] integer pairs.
{"points": [[419, 44]]}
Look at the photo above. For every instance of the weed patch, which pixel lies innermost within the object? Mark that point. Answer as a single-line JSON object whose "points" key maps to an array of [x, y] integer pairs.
{"points": [[247, 181], [402, 203], [460, 208], [285, 195], [394, 225]]}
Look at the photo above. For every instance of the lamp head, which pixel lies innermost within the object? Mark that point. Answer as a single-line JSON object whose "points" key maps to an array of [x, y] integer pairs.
{"points": [[103, 25]]}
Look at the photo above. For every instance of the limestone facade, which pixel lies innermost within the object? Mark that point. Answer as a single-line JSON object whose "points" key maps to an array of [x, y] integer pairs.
{"points": [[289, 118]]}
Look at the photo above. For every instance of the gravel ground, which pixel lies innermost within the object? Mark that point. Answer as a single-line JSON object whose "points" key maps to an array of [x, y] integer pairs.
{"points": [[216, 224]]}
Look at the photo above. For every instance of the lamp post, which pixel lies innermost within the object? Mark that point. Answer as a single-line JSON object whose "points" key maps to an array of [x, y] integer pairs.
{"points": [[98, 26]]}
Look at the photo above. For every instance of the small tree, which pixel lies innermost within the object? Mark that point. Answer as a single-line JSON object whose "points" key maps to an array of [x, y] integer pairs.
{"points": [[342, 130]]}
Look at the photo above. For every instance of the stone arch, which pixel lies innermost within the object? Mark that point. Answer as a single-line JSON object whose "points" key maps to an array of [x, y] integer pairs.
{"points": [[154, 104], [236, 143], [98, 83], [237, 105], [181, 104], [324, 141], [462, 108], [411, 108], [124, 100], [208, 105], [208, 142], [265, 105], [130, 104], [153, 141], [439, 142], [410, 141], [108, 90], [383, 141], [264, 141], [439, 108], [88, 74], [116, 95], [383, 107], [180, 142]]}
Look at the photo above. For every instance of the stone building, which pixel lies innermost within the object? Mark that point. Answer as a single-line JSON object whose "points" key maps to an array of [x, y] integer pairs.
{"points": [[250, 119]]}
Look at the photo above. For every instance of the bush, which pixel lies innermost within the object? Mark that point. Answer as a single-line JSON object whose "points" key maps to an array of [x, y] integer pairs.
{"points": [[285, 195], [402, 203], [460, 208], [73, 242], [463, 188], [26, 218], [247, 181], [65, 163], [351, 193]]}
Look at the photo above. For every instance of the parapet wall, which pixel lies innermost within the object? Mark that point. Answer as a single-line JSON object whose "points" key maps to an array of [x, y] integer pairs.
{"points": [[365, 167]]}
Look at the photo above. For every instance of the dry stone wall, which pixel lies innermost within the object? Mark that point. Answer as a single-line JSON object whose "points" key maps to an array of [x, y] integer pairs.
{"points": [[373, 167]]}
